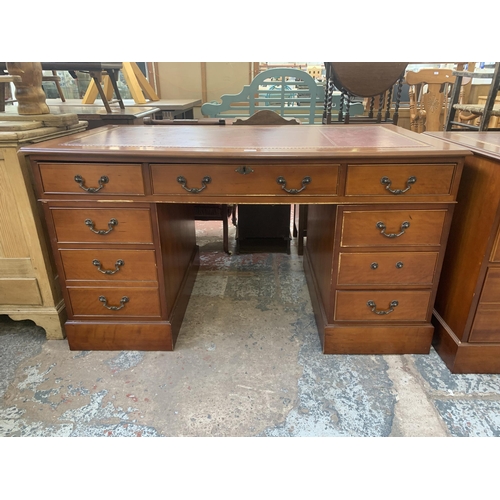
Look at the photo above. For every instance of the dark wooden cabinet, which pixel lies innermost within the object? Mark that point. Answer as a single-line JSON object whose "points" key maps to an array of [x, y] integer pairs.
{"points": [[467, 309]]}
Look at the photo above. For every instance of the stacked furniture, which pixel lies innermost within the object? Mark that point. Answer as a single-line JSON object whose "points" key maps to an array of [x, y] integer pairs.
{"points": [[289, 92], [363, 80], [483, 112]]}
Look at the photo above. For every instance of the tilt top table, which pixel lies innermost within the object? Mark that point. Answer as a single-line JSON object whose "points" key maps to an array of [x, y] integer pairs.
{"points": [[119, 207]]}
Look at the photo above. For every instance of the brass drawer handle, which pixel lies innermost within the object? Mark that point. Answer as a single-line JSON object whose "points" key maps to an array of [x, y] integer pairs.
{"points": [[373, 307], [118, 265], [387, 182], [380, 225], [305, 181], [123, 301], [80, 181], [182, 181], [111, 224]]}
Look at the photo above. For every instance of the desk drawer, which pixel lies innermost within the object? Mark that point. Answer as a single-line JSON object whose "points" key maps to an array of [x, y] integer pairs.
{"points": [[389, 268], [98, 264], [91, 178], [491, 288], [362, 228], [100, 301], [118, 225], [312, 180], [415, 180], [394, 305], [486, 324]]}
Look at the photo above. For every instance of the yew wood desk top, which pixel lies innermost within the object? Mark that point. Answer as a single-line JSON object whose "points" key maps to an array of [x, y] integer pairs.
{"points": [[118, 202]]}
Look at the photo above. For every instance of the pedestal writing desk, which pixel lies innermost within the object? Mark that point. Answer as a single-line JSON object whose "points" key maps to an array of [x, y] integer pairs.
{"points": [[467, 310], [118, 202]]}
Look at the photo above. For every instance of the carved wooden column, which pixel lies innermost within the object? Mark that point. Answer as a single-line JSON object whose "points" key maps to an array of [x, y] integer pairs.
{"points": [[29, 92]]}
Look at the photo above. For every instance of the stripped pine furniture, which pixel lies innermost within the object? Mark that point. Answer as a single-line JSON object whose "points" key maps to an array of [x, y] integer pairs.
{"points": [[428, 91]]}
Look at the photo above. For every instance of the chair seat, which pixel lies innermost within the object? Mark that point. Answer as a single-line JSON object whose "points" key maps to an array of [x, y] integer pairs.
{"points": [[476, 109]]}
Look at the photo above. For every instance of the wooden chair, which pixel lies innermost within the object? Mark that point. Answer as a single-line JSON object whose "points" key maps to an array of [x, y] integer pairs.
{"points": [[429, 90], [289, 92], [481, 113], [206, 211], [364, 80], [265, 225], [56, 79], [6, 80]]}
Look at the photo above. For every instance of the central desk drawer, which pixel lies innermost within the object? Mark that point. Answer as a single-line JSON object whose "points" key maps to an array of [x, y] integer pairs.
{"points": [[91, 178], [109, 265], [312, 180], [387, 268], [115, 225], [115, 302], [362, 228], [399, 180], [375, 305]]}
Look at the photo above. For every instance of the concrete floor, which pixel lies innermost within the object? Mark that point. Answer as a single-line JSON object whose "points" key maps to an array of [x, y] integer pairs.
{"points": [[247, 363]]}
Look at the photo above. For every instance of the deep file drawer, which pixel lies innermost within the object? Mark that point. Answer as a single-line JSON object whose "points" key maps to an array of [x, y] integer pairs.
{"points": [[114, 302], [381, 306]]}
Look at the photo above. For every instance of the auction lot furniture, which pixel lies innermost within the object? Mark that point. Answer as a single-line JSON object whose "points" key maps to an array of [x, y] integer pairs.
{"points": [[118, 202], [467, 310]]}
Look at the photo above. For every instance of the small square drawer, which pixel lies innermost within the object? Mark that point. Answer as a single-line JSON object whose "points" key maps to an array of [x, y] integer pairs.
{"points": [[109, 265], [387, 268], [376, 305], [114, 302], [362, 228], [91, 178], [399, 180], [102, 225]]}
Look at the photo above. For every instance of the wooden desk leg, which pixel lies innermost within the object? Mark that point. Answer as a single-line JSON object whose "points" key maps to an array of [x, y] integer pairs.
{"points": [[96, 76], [225, 228]]}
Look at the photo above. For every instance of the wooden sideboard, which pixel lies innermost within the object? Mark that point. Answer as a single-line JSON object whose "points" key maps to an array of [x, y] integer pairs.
{"points": [[118, 202], [467, 309]]}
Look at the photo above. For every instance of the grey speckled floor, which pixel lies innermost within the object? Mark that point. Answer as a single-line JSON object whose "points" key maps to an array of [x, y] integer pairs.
{"points": [[247, 363]]}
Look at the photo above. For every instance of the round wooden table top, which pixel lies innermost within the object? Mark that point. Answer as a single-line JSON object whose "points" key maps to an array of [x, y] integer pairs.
{"points": [[366, 79]]}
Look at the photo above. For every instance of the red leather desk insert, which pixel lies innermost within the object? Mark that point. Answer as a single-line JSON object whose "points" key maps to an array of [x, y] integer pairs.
{"points": [[380, 201]]}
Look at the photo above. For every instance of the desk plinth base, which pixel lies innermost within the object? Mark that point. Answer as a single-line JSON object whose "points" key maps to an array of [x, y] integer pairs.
{"points": [[462, 357], [363, 338], [86, 336]]}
